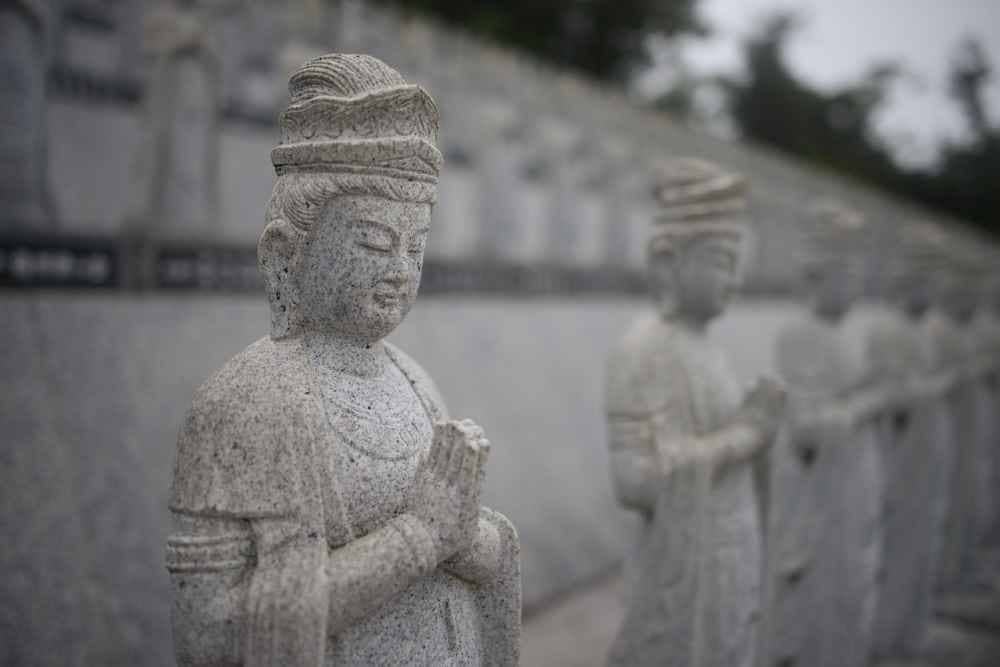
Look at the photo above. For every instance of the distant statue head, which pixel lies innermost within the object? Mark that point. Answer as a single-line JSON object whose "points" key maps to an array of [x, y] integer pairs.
{"points": [[960, 279], [834, 263], [698, 238], [992, 296], [911, 268], [349, 215]]}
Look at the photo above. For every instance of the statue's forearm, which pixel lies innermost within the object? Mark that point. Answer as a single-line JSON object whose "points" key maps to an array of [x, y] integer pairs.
{"points": [[636, 469], [928, 388], [868, 403], [365, 574], [727, 446], [734, 444], [359, 577], [479, 563]]}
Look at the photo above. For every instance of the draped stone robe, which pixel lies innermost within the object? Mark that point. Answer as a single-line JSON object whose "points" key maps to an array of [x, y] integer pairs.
{"points": [[824, 539], [986, 344], [694, 575], [284, 464], [915, 436], [953, 352]]}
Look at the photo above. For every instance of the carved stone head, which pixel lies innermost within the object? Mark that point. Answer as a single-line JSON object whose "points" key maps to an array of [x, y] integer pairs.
{"points": [[959, 281], [349, 216], [911, 268], [834, 263], [696, 248]]}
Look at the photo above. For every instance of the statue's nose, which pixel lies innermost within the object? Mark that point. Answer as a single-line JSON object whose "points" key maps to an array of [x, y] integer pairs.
{"points": [[397, 274]]}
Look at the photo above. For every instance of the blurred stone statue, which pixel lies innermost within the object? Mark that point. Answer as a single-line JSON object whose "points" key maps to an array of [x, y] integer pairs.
{"points": [[915, 435], [824, 544], [325, 510], [986, 332], [684, 439], [954, 347], [24, 26], [178, 163]]}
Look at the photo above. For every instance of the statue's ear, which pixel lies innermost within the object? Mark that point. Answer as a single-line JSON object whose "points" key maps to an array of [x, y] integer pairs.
{"points": [[662, 269], [275, 254], [663, 278]]}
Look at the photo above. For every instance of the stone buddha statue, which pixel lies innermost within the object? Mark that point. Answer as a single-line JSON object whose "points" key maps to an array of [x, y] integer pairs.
{"points": [[986, 332], [916, 452], [948, 330], [954, 342], [325, 509], [684, 439], [825, 539]]}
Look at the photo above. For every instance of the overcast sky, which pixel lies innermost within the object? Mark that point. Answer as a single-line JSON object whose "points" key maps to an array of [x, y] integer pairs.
{"points": [[840, 39]]}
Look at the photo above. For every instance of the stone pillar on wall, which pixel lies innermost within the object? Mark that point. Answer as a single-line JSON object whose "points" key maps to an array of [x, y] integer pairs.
{"points": [[177, 189], [176, 193], [502, 151], [23, 189], [576, 217], [628, 205]]}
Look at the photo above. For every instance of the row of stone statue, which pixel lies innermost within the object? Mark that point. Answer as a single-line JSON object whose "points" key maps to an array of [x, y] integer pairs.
{"points": [[813, 528], [326, 508]]}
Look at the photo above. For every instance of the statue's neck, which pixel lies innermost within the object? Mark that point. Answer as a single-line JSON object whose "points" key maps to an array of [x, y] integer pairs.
{"points": [[337, 353], [960, 316], [688, 321], [915, 310], [827, 313]]}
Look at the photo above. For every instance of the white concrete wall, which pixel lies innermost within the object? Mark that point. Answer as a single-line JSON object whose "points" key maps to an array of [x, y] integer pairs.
{"points": [[96, 386]]}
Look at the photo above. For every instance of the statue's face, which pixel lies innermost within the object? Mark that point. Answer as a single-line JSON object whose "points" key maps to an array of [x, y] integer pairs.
{"points": [[918, 294], [836, 285], [360, 267], [706, 275], [952, 295]]}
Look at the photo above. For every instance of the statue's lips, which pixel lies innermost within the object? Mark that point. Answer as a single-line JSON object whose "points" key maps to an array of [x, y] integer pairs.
{"points": [[388, 297]]}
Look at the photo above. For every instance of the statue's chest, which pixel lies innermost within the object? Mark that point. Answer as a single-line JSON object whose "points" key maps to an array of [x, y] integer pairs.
{"points": [[815, 358], [715, 392], [375, 437]]}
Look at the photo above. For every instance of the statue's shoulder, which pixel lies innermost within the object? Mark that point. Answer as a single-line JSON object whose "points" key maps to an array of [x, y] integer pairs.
{"points": [[647, 337], [263, 375], [804, 348], [241, 449], [803, 326], [646, 369], [421, 382], [891, 336]]}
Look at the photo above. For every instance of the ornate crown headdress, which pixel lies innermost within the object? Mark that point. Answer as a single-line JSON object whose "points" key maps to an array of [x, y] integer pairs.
{"points": [[355, 114], [696, 198]]}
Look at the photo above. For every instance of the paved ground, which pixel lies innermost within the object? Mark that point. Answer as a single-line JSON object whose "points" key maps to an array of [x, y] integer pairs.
{"points": [[576, 631]]}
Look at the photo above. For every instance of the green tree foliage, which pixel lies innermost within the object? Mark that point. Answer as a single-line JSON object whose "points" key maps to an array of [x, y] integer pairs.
{"points": [[603, 38], [773, 107], [964, 181], [835, 128]]}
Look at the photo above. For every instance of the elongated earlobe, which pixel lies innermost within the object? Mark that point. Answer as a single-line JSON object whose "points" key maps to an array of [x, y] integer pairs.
{"points": [[275, 253]]}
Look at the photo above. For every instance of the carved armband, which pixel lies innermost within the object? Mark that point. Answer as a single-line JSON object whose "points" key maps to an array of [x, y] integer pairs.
{"points": [[229, 547]]}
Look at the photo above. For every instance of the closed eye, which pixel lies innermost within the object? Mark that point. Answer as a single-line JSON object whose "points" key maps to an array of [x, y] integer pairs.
{"points": [[374, 236], [375, 246]]}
